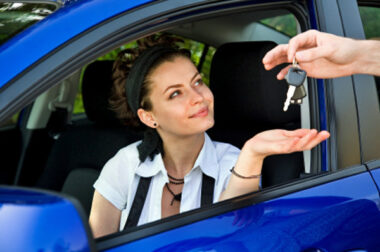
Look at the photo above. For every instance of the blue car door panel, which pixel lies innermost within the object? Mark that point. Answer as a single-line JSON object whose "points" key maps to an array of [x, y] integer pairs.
{"points": [[337, 216]]}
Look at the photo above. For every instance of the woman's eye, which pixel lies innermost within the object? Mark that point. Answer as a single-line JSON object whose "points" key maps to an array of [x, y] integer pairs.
{"points": [[198, 82], [174, 94]]}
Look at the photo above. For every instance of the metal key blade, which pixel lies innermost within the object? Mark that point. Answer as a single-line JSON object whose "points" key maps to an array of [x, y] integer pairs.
{"points": [[289, 96]]}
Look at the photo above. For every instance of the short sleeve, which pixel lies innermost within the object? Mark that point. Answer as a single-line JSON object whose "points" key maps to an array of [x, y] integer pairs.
{"points": [[227, 156], [115, 177], [228, 160]]}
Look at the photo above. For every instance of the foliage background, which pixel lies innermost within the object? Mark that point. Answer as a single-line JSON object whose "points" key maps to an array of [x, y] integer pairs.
{"points": [[371, 21]]}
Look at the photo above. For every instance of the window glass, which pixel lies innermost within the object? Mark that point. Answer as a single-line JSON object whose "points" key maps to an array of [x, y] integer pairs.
{"points": [[11, 122], [16, 17], [371, 23], [286, 24]]}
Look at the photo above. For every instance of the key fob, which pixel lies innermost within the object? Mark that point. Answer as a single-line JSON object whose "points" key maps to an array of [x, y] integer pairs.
{"points": [[296, 76], [299, 94]]}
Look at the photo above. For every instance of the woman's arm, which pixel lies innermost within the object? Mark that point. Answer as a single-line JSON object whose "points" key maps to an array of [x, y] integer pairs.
{"points": [[267, 143], [104, 217]]}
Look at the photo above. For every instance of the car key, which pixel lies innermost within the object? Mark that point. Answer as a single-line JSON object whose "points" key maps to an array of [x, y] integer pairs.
{"points": [[295, 78], [299, 94]]}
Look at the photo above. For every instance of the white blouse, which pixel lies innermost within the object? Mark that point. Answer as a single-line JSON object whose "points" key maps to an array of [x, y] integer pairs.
{"points": [[120, 176]]}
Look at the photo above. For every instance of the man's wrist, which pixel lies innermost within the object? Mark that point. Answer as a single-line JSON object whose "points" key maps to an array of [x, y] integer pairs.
{"points": [[369, 59]]}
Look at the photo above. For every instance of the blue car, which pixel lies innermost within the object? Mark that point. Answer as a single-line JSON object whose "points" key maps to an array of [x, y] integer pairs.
{"points": [[57, 131]]}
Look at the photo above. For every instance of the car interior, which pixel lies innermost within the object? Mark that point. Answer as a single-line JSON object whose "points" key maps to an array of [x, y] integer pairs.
{"points": [[59, 149]]}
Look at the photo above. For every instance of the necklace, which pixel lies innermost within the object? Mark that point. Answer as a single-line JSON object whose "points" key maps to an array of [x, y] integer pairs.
{"points": [[176, 181], [176, 197]]}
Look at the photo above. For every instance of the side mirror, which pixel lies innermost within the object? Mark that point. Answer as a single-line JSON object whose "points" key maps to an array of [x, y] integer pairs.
{"points": [[36, 220]]}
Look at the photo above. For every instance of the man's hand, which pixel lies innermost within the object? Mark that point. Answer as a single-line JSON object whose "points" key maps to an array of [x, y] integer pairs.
{"points": [[323, 55]]}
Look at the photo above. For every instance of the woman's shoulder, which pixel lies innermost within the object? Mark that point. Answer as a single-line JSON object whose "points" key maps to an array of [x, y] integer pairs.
{"points": [[128, 152], [130, 149], [225, 150]]}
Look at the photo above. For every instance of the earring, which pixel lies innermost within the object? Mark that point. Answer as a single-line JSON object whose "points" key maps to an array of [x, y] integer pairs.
{"points": [[155, 124]]}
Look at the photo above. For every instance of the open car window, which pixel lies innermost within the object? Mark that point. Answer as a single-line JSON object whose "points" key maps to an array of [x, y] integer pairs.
{"points": [[62, 171]]}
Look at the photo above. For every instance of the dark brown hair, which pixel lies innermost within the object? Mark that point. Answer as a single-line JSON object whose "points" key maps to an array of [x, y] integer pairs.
{"points": [[121, 68]]}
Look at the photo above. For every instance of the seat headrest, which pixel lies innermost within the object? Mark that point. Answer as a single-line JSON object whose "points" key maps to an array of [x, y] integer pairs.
{"points": [[96, 90], [247, 95]]}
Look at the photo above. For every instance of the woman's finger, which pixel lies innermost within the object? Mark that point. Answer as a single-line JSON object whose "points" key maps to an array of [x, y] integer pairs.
{"points": [[305, 140], [286, 145], [322, 136], [296, 133]]}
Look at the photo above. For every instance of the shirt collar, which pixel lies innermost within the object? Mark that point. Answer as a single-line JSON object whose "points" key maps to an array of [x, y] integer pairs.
{"points": [[207, 161], [150, 168]]}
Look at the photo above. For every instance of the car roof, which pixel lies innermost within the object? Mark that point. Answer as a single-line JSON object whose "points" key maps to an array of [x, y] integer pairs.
{"points": [[72, 19]]}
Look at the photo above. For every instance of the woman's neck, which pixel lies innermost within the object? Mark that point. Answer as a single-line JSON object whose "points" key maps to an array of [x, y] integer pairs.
{"points": [[180, 153]]}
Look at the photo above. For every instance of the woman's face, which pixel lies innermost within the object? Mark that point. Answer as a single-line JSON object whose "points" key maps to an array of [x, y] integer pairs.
{"points": [[182, 103]]}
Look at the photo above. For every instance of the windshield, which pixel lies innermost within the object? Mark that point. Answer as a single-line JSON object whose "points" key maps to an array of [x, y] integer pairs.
{"points": [[16, 17]]}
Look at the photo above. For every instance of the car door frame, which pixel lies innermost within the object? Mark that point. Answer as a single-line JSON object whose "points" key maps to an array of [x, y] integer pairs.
{"points": [[367, 100]]}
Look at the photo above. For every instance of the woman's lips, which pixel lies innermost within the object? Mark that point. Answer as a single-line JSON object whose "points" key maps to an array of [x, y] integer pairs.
{"points": [[201, 113]]}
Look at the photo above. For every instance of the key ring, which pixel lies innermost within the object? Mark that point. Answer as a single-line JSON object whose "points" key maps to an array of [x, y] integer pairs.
{"points": [[295, 64]]}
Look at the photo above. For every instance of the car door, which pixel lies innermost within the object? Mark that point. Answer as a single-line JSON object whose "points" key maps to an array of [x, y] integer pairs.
{"points": [[333, 207], [329, 216], [368, 97]]}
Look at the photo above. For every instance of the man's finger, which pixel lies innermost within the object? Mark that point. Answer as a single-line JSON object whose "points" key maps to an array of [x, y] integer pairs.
{"points": [[276, 56], [302, 40], [281, 75], [311, 54]]}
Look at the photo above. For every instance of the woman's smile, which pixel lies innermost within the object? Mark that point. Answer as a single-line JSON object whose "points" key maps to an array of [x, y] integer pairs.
{"points": [[201, 113]]}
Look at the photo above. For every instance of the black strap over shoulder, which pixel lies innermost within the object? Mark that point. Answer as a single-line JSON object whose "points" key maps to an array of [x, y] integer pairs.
{"points": [[207, 196], [207, 190], [138, 202]]}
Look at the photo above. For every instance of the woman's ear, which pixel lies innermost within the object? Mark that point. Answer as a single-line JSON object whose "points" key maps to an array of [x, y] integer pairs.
{"points": [[147, 118]]}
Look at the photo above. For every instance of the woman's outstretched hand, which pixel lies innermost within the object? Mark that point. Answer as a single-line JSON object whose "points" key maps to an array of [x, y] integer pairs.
{"points": [[264, 144], [278, 141]]}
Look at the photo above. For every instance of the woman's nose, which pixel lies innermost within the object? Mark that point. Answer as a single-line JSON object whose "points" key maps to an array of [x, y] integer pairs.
{"points": [[196, 96]]}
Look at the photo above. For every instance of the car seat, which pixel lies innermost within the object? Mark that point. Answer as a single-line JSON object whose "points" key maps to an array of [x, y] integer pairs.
{"points": [[82, 150], [248, 100]]}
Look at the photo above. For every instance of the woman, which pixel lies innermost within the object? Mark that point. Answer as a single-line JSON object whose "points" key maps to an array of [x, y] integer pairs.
{"points": [[164, 93]]}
